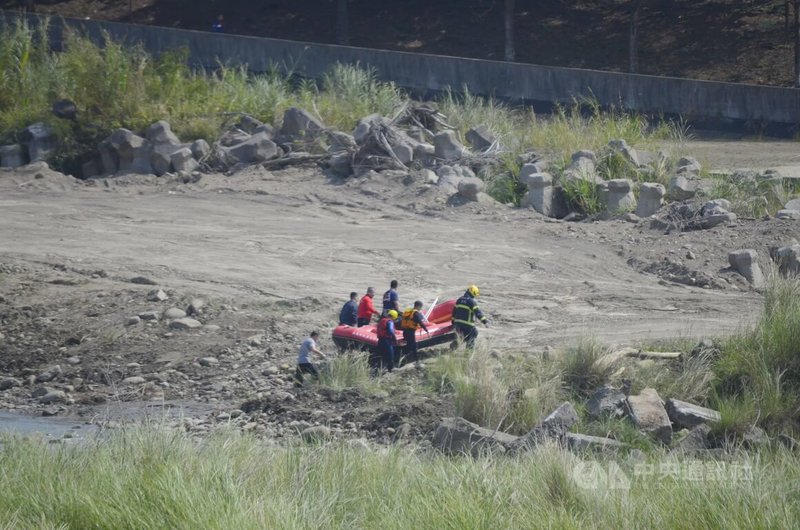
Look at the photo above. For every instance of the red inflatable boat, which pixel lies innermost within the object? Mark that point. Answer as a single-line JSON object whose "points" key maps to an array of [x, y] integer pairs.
{"points": [[366, 337]]}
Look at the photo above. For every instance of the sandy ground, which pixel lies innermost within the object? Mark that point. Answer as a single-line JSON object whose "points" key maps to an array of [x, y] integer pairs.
{"points": [[275, 254]]}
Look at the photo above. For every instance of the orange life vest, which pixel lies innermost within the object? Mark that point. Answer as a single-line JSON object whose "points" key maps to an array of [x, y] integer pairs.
{"points": [[408, 319]]}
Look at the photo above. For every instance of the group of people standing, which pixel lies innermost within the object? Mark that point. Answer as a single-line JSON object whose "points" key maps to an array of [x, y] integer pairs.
{"points": [[357, 313]]}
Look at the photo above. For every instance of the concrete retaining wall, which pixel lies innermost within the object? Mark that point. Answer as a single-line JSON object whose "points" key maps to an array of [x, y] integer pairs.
{"points": [[511, 81]]}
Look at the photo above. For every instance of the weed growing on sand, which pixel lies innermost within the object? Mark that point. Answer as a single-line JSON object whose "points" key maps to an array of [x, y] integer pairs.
{"points": [[155, 478], [348, 370]]}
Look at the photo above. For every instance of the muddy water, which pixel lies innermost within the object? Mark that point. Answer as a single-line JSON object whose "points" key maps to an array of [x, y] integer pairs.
{"points": [[50, 428]]}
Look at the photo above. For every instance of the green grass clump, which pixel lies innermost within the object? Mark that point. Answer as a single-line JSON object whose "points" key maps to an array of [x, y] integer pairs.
{"points": [[752, 196], [348, 370], [151, 478], [760, 369]]}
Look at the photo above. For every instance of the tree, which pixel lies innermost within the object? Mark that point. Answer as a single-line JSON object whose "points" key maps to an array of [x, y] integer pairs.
{"points": [[509, 24]]}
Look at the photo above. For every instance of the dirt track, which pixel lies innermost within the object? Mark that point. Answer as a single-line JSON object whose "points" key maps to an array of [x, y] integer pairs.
{"points": [[276, 254]]}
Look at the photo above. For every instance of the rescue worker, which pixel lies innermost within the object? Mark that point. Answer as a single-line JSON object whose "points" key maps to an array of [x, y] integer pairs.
{"points": [[366, 308], [386, 338], [391, 300], [413, 319], [349, 313], [465, 313]]}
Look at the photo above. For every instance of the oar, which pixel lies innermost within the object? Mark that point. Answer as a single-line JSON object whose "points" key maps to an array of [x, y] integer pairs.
{"points": [[430, 309]]}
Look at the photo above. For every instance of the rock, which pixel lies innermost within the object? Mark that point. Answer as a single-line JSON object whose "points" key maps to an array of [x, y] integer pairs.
{"points": [[480, 138], [12, 156], [109, 159], [553, 427], [157, 296], [74, 360], [685, 415], [41, 141], [716, 206], [745, 262], [195, 307], [249, 124], [141, 280], [788, 259], [161, 133], [540, 191], [365, 124], [200, 149], [298, 123], [9, 382], [459, 436], [754, 437], [618, 195], [584, 442], [607, 401], [793, 204], [789, 215], [149, 315], [211, 328], [185, 323], [447, 147], [53, 396], [697, 439], [233, 137], [710, 221], [627, 152], [648, 414], [134, 380], [49, 375], [174, 313], [315, 434], [584, 153], [254, 341], [270, 370], [131, 150], [183, 161], [64, 109], [470, 187], [132, 321], [403, 152], [651, 199], [341, 163], [448, 179], [160, 159], [257, 148], [39, 391], [681, 188], [688, 164], [91, 168], [208, 361], [339, 141], [582, 167], [631, 218]]}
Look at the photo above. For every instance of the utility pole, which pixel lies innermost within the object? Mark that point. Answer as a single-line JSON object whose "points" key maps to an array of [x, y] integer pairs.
{"points": [[509, 23]]}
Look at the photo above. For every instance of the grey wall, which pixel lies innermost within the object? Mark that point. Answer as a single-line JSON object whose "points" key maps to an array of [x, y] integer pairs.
{"points": [[512, 81]]}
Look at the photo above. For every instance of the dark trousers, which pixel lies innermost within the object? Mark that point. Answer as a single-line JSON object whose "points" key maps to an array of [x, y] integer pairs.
{"points": [[305, 368], [412, 353], [468, 334], [386, 350], [363, 322]]}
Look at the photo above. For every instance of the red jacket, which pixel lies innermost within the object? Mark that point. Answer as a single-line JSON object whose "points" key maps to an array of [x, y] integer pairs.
{"points": [[365, 307]]}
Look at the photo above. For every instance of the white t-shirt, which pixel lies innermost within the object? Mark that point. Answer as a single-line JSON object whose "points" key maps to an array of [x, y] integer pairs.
{"points": [[306, 348]]}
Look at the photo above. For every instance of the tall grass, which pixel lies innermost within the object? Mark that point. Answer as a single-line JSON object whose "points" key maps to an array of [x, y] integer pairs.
{"points": [[762, 365], [142, 478]]}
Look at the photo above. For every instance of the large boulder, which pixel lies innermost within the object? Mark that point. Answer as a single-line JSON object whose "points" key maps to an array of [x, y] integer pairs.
{"points": [[449, 179], [788, 215], [793, 204], [470, 187], [161, 133], [132, 150], [584, 443], [41, 141], [682, 188], [109, 158], [365, 124], [607, 401], [447, 146], [12, 156], [459, 436], [300, 124], [649, 415], [745, 262], [257, 148], [183, 161], [618, 195], [690, 165], [480, 138], [541, 193], [582, 167], [787, 259], [687, 416], [651, 199], [200, 149], [627, 152], [554, 427]]}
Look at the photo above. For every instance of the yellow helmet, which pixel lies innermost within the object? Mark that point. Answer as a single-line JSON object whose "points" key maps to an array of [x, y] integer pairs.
{"points": [[473, 290], [392, 314]]}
